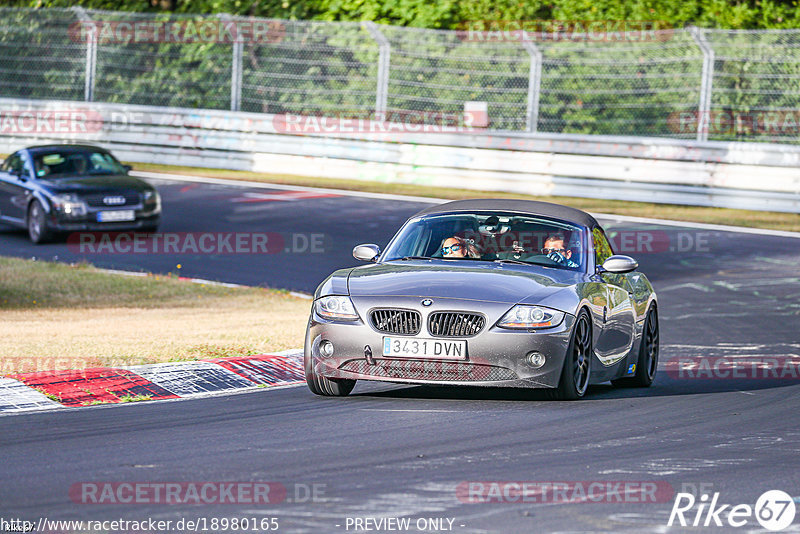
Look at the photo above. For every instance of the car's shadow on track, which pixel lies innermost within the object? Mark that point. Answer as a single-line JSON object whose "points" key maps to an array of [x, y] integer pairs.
{"points": [[662, 387]]}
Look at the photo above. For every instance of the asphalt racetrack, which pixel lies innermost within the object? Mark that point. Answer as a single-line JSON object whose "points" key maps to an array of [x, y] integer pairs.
{"points": [[392, 451]]}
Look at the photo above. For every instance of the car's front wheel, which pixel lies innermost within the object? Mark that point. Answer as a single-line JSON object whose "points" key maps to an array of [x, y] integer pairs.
{"points": [[577, 365], [327, 387], [647, 363], [38, 230]]}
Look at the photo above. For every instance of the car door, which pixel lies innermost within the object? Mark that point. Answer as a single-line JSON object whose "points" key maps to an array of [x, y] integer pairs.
{"points": [[15, 176], [618, 331]]}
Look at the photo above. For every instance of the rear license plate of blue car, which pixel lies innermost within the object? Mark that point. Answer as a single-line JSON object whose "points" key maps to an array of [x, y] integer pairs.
{"points": [[403, 347]]}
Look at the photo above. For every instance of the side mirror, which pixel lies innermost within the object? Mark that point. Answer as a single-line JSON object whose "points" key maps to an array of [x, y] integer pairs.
{"points": [[619, 264], [366, 252], [127, 168]]}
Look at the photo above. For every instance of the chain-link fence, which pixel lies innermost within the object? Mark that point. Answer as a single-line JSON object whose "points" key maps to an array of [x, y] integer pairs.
{"points": [[685, 83]]}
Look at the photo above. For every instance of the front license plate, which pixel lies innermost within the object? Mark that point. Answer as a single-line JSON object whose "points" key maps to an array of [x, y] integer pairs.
{"points": [[115, 216], [403, 347]]}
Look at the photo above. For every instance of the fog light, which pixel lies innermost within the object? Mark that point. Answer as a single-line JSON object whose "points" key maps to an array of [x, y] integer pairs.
{"points": [[535, 359], [326, 349]]}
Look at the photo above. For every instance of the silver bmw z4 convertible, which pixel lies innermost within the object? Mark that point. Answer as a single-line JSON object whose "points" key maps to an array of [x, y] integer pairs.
{"points": [[502, 292]]}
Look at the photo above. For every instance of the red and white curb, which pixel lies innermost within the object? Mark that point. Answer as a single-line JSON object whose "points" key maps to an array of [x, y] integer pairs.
{"points": [[45, 390]]}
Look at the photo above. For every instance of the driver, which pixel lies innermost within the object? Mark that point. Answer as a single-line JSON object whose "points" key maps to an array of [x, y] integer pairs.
{"points": [[554, 248]]}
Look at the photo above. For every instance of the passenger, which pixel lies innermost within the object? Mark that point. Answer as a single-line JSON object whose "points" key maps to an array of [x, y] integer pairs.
{"points": [[458, 247]]}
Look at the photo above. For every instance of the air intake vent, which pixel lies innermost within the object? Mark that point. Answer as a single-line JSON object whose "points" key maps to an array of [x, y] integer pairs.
{"points": [[455, 324], [396, 321], [430, 370]]}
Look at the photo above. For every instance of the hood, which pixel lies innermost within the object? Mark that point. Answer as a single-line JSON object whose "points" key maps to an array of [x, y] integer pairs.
{"points": [[445, 279], [94, 184]]}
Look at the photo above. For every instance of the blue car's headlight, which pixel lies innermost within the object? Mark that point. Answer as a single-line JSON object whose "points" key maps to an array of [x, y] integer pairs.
{"points": [[337, 308], [153, 198], [521, 316], [69, 204]]}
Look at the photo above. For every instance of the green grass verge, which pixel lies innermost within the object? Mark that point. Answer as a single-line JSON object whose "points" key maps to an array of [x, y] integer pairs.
{"points": [[41, 284], [58, 316]]}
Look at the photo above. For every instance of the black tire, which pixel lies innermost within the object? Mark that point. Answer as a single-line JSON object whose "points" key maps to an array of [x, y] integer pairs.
{"points": [[647, 362], [38, 230], [326, 387], [575, 374]]}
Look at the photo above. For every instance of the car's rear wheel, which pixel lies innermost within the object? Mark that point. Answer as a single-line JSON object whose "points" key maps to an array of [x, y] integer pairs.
{"points": [[38, 230], [577, 365], [647, 363], [327, 387]]}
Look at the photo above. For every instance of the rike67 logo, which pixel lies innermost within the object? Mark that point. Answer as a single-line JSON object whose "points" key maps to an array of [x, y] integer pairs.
{"points": [[774, 510]]}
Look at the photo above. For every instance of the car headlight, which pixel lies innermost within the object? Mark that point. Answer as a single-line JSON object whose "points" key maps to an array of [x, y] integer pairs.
{"points": [[152, 197], [522, 316], [69, 204], [336, 307]]}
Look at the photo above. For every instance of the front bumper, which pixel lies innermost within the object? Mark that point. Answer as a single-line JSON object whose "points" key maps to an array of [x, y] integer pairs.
{"points": [[144, 218], [495, 357]]}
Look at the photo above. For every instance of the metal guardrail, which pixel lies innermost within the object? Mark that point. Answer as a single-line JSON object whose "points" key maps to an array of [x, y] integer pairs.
{"points": [[737, 175]]}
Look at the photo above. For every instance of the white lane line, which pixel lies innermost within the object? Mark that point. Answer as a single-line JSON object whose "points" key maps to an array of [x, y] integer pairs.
{"points": [[430, 200], [700, 226], [400, 410], [266, 185]]}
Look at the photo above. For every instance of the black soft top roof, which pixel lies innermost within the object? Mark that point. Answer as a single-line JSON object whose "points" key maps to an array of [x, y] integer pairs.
{"points": [[64, 148], [528, 207]]}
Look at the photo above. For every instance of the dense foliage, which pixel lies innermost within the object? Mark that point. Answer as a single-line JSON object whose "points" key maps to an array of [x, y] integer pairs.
{"points": [[452, 13]]}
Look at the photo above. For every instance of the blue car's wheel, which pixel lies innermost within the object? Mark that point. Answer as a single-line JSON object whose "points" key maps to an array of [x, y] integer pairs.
{"points": [[38, 229]]}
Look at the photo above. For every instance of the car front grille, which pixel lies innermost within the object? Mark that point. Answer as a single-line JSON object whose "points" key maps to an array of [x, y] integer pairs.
{"points": [[95, 200], [430, 370], [455, 324], [392, 321]]}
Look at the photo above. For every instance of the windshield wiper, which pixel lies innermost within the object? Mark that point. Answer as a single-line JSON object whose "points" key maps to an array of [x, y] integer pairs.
{"points": [[415, 258], [515, 262]]}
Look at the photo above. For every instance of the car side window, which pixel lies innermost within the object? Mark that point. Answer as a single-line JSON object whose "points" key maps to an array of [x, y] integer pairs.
{"points": [[602, 248], [13, 163]]}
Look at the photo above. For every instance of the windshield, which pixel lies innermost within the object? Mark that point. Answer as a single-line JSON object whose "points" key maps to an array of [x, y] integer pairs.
{"points": [[71, 162], [491, 236]]}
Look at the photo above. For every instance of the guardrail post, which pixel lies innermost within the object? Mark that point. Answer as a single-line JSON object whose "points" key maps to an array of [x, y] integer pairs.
{"points": [[236, 66], [384, 56], [534, 83], [706, 84], [91, 53]]}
